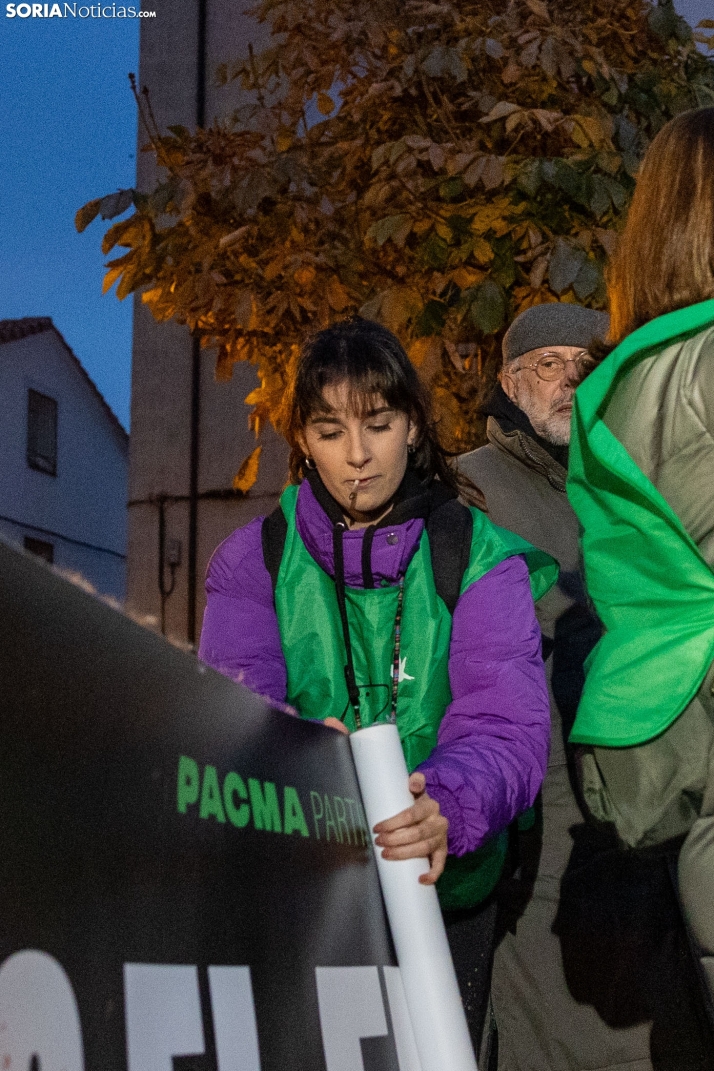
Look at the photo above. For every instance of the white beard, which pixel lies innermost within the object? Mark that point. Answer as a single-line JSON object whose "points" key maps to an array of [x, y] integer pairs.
{"points": [[555, 429]]}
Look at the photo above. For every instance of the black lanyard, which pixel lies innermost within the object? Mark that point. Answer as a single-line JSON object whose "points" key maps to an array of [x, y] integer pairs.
{"points": [[350, 680]]}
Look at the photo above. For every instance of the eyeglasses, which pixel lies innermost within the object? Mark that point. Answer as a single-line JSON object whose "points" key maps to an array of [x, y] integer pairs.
{"points": [[550, 366]]}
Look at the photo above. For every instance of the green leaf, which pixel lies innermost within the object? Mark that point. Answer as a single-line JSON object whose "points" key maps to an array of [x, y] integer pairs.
{"points": [[683, 31], [627, 134], [163, 195], [252, 189], [599, 196], [530, 177], [631, 162], [503, 268], [565, 265], [617, 192], [389, 227], [570, 181], [587, 280], [661, 21], [435, 251], [442, 61], [488, 311], [451, 189], [432, 318], [460, 227]]}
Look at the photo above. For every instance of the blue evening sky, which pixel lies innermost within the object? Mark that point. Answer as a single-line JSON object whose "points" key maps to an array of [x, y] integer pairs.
{"points": [[68, 134]]}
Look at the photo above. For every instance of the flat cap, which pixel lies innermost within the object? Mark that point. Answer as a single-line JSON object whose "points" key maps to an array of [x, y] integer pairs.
{"points": [[553, 324]]}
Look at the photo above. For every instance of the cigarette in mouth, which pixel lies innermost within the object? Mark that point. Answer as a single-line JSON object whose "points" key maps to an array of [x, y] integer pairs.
{"points": [[353, 492]]}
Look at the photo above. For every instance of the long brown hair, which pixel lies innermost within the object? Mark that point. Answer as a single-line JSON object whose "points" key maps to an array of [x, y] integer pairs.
{"points": [[372, 361], [665, 257]]}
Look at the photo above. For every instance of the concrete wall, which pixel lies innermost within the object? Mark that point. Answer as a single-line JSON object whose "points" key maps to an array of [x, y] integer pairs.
{"points": [[82, 510], [162, 359]]}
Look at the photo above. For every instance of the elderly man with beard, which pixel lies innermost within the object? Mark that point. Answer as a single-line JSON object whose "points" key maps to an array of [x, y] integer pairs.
{"points": [[573, 984]]}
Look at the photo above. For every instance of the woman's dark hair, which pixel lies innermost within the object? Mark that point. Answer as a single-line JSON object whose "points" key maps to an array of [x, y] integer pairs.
{"points": [[372, 361]]}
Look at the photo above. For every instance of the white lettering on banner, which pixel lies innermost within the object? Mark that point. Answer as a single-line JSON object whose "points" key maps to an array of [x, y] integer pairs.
{"points": [[351, 1008], [234, 1022], [407, 1054], [163, 1015], [38, 1014]]}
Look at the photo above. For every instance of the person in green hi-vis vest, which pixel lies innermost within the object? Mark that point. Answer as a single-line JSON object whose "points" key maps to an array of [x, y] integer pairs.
{"points": [[642, 483], [372, 594]]}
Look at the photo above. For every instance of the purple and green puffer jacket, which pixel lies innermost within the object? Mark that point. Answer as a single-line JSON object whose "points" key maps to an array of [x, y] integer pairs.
{"points": [[492, 746]]}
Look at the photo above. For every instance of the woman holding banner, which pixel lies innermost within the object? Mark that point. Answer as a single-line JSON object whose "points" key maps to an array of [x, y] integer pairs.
{"points": [[372, 594]]}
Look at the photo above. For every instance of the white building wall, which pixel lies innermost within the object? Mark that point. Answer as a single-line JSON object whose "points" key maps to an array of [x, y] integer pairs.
{"points": [[82, 510]]}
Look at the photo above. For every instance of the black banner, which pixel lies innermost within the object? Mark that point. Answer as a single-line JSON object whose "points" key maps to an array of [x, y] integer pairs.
{"points": [[186, 880]]}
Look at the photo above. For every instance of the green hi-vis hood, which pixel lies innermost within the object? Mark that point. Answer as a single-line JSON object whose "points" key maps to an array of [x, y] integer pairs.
{"points": [[313, 645], [651, 587]]}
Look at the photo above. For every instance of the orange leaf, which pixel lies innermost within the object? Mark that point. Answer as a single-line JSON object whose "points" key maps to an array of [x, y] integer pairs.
{"points": [[248, 472], [538, 7], [425, 353], [337, 295], [398, 305], [466, 277], [511, 73], [325, 104], [111, 277], [305, 276]]}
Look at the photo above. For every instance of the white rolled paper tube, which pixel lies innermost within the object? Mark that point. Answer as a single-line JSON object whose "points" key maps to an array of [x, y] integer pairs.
{"points": [[430, 987]]}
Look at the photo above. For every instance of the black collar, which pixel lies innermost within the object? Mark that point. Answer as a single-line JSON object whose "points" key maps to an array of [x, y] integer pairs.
{"points": [[413, 498], [510, 418]]}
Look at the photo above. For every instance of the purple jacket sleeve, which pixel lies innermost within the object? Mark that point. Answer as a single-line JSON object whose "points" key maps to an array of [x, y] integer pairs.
{"points": [[240, 636], [492, 749]]}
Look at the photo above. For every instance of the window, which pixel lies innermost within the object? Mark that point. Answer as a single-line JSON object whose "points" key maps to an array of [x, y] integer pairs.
{"points": [[40, 548], [41, 432]]}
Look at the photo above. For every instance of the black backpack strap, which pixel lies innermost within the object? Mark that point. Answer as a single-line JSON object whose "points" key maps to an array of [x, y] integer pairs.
{"points": [[272, 535], [450, 529]]}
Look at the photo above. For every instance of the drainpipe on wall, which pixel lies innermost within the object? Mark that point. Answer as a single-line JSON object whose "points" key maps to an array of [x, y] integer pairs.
{"points": [[169, 554], [195, 415]]}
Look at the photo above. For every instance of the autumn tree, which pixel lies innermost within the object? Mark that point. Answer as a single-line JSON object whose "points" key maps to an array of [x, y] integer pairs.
{"points": [[473, 158]]}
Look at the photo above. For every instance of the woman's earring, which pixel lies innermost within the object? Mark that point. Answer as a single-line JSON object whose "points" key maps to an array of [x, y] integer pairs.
{"points": [[411, 448], [309, 463]]}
